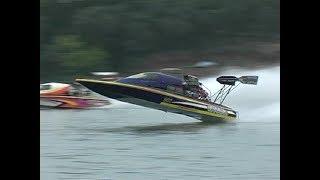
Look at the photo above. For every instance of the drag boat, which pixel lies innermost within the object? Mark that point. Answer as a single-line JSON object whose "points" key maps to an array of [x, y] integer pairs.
{"points": [[177, 94], [62, 95]]}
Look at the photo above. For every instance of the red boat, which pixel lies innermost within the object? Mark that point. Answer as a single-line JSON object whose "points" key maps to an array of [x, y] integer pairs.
{"points": [[61, 95]]}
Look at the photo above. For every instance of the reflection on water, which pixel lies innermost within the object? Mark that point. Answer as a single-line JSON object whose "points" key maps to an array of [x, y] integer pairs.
{"points": [[130, 142], [167, 128], [159, 129]]}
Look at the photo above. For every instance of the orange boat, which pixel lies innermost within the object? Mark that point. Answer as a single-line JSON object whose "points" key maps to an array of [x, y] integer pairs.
{"points": [[61, 95]]}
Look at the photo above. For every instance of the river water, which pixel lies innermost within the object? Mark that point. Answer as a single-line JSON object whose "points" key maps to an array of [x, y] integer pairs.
{"points": [[123, 141]]}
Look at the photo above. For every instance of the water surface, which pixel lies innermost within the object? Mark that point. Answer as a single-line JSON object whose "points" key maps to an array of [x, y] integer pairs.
{"points": [[123, 141]]}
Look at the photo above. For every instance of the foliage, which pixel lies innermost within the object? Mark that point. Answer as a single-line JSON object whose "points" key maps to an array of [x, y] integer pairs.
{"points": [[116, 34]]}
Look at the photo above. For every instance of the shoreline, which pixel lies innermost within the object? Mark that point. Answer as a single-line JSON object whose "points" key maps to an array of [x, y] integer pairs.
{"points": [[250, 55]]}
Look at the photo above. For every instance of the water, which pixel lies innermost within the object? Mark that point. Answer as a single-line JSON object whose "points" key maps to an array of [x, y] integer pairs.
{"points": [[123, 141]]}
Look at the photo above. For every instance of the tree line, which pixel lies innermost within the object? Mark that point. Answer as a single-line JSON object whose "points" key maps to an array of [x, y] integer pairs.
{"points": [[79, 36]]}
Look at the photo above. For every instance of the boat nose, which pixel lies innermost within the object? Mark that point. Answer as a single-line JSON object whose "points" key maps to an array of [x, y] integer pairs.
{"points": [[81, 80], [86, 82]]}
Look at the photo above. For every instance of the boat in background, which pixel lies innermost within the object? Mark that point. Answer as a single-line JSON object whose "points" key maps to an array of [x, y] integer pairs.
{"points": [[107, 76], [75, 96]]}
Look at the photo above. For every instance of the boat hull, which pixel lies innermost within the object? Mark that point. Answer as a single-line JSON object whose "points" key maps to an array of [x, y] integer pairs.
{"points": [[161, 100]]}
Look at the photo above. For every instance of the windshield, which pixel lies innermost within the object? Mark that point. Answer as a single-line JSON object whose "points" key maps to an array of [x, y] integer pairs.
{"points": [[143, 76], [45, 87]]}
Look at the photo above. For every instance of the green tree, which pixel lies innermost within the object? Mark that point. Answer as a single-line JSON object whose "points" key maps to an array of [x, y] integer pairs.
{"points": [[73, 55]]}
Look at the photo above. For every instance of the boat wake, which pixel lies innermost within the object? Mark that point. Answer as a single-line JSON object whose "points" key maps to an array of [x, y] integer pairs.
{"points": [[258, 104]]}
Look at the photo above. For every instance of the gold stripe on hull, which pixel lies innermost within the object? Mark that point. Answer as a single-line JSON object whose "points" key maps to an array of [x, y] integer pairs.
{"points": [[207, 113]]}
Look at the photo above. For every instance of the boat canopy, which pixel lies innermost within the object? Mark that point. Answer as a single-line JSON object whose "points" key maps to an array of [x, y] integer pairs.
{"points": [[188, 86], [45, 87], [154, 79], [51, 86]]}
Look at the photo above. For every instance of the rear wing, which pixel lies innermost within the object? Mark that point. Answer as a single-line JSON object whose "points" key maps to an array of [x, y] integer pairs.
{"points": [[229, 85], [249, 80], [231, 80]]}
